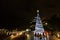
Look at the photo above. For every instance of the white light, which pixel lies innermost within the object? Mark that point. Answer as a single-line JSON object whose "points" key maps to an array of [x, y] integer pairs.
{"points": [[46, 23], [27, 29], [37, 10]]}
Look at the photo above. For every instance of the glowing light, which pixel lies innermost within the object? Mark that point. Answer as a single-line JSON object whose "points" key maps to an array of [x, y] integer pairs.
{"points": [[39, 26], [17, 34], [27, 29], [20, 33], [58, 34], [37, 10], [12, 36], [28, 36], [46, 23]]}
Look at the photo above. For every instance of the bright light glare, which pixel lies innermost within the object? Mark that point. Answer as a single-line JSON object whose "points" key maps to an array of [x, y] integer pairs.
{"points": [[37, 10], [28, 37], [46, 23], [12, 36], [20, 33], [58, 35], [27, 29]]}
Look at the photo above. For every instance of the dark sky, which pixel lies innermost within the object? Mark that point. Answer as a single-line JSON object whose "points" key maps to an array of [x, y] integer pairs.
{"points": [[22, 11]]}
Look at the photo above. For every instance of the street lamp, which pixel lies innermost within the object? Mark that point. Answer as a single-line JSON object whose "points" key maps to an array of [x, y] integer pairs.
{"points": [[46, 23], [27, 29]]}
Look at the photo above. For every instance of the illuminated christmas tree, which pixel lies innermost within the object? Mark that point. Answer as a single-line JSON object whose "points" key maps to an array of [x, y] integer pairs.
{"points": [[39, 26]]}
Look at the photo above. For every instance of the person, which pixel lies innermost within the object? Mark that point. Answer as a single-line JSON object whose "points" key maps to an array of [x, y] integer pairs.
{"points": [[35, 34], [40, 36], [44, 37], [36, 37]]}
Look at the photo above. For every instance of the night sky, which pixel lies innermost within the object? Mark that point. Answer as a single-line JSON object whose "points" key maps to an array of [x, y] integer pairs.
{"points": [[21, 12]]}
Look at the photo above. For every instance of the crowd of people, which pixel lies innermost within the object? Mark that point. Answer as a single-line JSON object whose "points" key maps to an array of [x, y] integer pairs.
{"points": [[40, 37]]}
